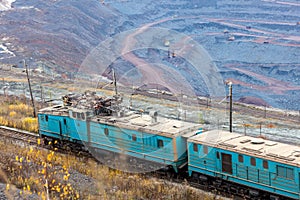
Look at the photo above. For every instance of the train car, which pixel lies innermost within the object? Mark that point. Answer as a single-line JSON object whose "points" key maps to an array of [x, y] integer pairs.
{"points": [[259, 169], [144, 136], [58, 124]]}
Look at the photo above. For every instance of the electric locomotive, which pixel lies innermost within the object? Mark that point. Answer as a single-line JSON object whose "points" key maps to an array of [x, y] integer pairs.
{"points": [[101, 126], [262, 169]]}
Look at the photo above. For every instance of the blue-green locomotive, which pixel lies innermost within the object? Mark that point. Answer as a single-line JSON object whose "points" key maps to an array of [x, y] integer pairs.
{"points": [[270, 169], [105, 129]]}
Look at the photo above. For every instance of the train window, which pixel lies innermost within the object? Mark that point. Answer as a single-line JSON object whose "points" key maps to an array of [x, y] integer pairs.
{"points": [[285, 172], [265, 164], [241, 158], [65, 122], [82, 116], [74, 114], [134, 137], [46, 118], [78, 115], [281, 171], [253, 161], [205, 149], [289, 173], [218, 155], [160, 143], [195, 147], [106, 131]]}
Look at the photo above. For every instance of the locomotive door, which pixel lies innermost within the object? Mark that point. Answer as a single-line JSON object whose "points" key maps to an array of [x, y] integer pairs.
{"points": [[226, 163], [54, 125], [64, 128]]}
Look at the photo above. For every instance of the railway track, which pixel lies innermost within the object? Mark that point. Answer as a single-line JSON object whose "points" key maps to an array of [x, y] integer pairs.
{"points": [[32, 139], [19, 135]]}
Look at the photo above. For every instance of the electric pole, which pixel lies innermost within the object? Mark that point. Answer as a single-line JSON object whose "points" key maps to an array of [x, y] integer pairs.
{"points": [[29, 85], [230, 105], [115, 82]]}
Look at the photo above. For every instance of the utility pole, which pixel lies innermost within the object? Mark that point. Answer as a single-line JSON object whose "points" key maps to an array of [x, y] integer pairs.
{"points": [[27, 74], [115, 81], [230, 105], [42, 96]]}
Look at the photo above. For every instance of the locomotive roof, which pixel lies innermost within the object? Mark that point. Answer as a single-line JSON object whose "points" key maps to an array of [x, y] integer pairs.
{"points": [[55, 110], [144, 123], [131, 120], [258, 147]]}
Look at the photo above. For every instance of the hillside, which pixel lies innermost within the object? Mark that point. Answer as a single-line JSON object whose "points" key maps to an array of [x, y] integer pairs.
{"points": [[253, 43]]}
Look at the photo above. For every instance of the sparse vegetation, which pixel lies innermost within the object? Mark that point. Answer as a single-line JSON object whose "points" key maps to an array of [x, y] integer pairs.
{"points": [[17, 114], [49, 174], [36, 171]]}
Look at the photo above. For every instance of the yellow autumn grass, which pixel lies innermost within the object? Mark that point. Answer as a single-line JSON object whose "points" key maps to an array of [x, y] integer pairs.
{"points": [[17, 114]]}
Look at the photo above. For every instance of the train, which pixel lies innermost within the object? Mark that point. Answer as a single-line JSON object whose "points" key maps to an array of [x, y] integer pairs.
{"points": [[251, 167]]}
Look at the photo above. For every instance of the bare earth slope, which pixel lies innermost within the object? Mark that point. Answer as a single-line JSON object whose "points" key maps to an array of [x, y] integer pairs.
{"points": [[255, 43]]}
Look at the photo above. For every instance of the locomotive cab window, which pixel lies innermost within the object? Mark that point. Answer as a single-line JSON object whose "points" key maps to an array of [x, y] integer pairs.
{"points": [[160, 143], [46, 118], [134, 137], [205, 149], [195, 147], [106, 131]]}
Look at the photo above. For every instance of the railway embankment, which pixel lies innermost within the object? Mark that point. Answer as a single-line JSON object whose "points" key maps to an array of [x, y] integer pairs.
{"points": [[29, 171]]}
